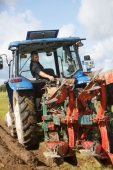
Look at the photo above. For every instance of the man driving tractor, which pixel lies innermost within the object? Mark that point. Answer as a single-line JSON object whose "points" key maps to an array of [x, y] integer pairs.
{"points": [[37, 70]]}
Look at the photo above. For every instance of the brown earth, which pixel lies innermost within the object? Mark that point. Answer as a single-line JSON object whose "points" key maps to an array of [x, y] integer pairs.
{"points": [[14, 156]]}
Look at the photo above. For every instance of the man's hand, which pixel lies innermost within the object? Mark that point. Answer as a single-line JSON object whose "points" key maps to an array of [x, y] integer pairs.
{"points": [[51, 78]]}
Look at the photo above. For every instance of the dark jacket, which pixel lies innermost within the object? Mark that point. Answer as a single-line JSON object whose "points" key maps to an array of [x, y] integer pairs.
{"points": [[35, 68]]}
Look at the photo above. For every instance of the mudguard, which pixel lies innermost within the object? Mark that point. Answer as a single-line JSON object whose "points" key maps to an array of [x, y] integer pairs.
{"points": [[24, 84], [81, 77]]}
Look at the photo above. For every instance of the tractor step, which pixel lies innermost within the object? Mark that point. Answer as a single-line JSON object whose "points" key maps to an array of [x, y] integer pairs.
{"points": [[51, 155], [48, 154], [86, 152]]}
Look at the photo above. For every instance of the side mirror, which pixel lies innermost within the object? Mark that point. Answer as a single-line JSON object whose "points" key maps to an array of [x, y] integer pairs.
{"points": [[79, 43], [88, 62], [87, 57], [1, 63]]}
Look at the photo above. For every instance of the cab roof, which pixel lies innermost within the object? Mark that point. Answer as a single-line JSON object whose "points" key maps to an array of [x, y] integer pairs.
{"points": [[43, 37]]}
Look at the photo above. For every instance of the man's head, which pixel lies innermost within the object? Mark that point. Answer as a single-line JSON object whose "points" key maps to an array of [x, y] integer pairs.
{"points": [[34, 56]]}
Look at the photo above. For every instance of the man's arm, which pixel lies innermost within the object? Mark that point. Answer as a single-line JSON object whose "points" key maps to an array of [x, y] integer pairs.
{"points": [[42, 74], [36, 70]]}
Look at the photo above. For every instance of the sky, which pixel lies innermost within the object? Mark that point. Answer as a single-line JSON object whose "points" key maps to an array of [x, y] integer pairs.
{"points": [[90, 19]]}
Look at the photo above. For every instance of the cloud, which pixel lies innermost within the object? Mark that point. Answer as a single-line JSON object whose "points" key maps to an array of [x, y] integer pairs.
{"points": [[14, 26], [7, 2], [97, 17], [102, 53], [67, 30]]}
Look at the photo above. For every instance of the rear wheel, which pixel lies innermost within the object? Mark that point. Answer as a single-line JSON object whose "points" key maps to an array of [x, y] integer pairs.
{"points": [[25, 118]]}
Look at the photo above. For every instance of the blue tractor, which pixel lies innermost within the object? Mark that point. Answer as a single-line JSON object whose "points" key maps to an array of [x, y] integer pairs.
{"points": [[57, 100]]}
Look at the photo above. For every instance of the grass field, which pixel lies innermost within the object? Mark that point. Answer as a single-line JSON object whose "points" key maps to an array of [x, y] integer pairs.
{"points": [[3, 105]]}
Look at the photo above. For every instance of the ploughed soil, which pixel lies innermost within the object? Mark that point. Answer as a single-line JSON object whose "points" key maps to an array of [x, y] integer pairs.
{"points": [[14, 157]]}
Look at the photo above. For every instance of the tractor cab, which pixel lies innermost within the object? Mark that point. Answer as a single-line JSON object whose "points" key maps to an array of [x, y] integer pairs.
{"points": [[60, 54]]}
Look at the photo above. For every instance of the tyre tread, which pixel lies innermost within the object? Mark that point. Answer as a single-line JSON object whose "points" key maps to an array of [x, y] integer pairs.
{"points": [[28, 118]]}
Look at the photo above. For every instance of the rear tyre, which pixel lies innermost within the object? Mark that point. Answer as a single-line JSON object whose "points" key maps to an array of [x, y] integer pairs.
{"points": [[25, 118]]}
